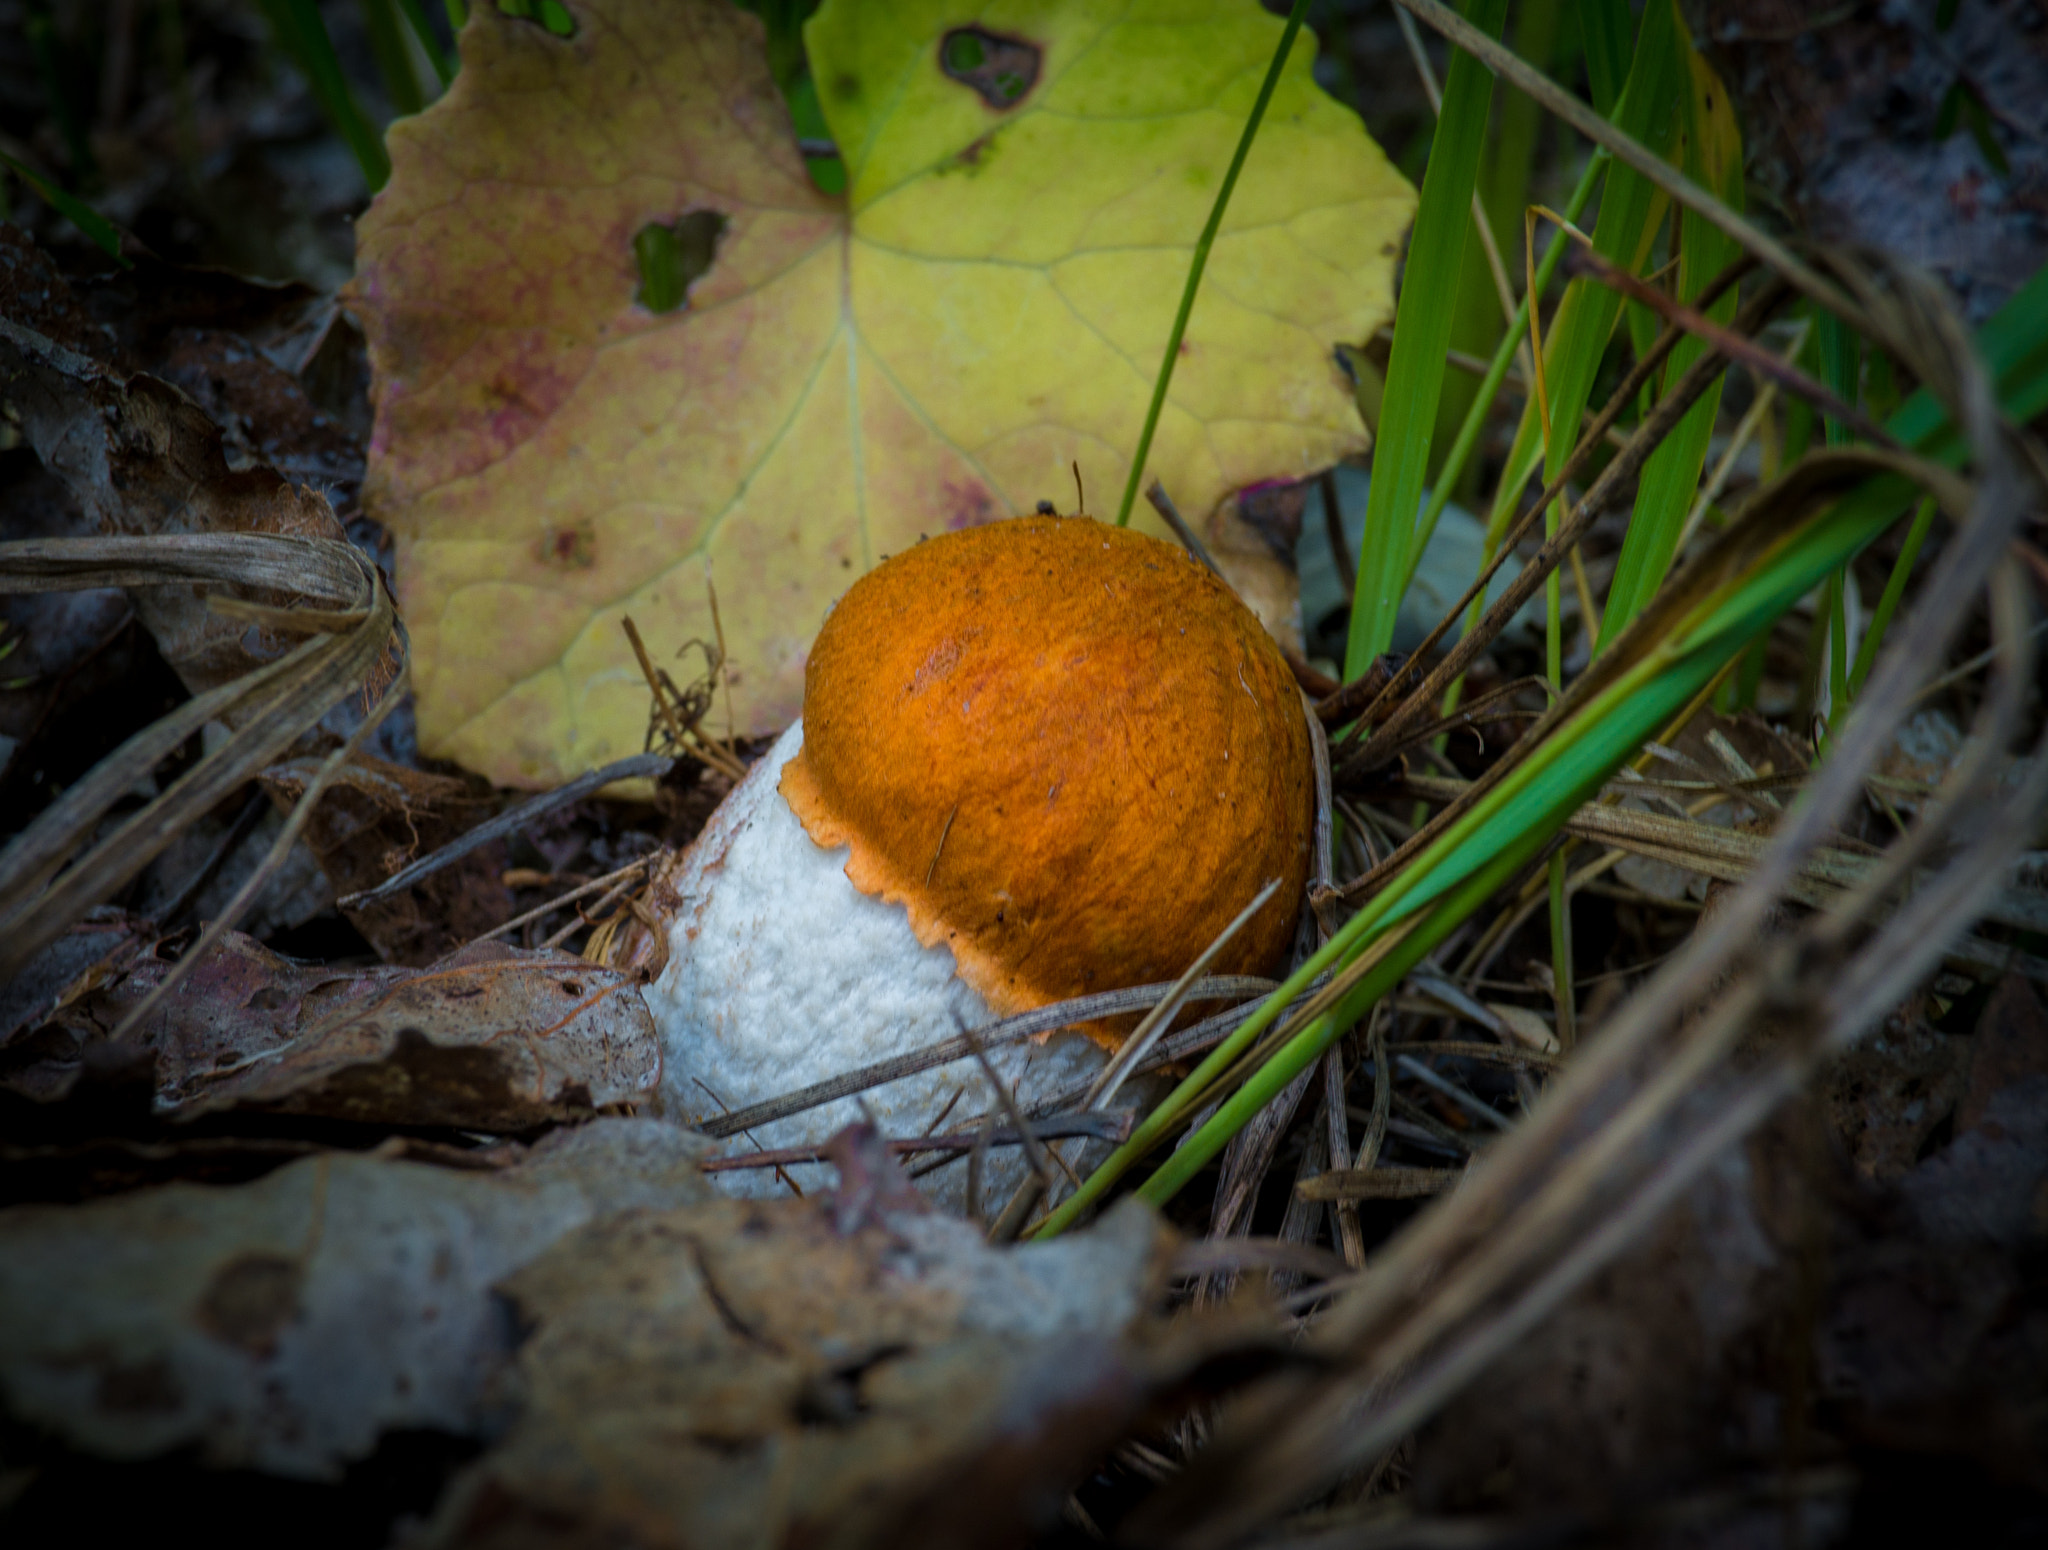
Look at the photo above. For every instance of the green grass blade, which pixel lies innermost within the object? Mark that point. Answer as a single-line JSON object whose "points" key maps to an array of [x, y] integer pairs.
{"points": [[1609, 28], [1505, 170], [1578, 339], [1504, 178], [1201, 260], [1894, 590], [1471, 861], [437, 56], [394, 60], [73, 209], [303, 36], [1585, 318], [1713, 157], [1496, 373], [1422, 331], [1508, 824], [48, 52], [1841, 368]]}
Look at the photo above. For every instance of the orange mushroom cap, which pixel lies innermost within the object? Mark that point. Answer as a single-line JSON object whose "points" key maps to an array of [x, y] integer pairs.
{"points": [[1067, 750]]}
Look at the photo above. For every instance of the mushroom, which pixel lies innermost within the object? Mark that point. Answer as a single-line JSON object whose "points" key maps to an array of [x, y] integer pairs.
{"points": [[1037, 758]]}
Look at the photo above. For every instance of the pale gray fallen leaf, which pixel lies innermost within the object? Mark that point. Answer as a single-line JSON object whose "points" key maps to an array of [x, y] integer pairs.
{"points": [[285, 1324], [743, 1374]]}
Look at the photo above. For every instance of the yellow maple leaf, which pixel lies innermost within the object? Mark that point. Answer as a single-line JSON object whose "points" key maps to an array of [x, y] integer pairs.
{"points": [[984, 307]]}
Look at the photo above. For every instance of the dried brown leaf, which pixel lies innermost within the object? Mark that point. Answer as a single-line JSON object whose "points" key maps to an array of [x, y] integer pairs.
{"points": [[491, 1039]]}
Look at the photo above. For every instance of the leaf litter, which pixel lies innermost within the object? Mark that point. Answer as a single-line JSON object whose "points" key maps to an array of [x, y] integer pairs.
{"points": [[490, 1039], [317, 1213]]}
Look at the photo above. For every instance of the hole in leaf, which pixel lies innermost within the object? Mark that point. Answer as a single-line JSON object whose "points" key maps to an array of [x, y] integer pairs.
{"points": [[549, 14], [1002, 70], [673, 258], [814, 137]]}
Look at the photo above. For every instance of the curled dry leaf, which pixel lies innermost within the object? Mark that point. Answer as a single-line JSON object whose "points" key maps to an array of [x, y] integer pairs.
{"points": [[99, 948], [140, 457], [846, 374], [158, 399], [379, 817], [490, 1039], [742, 1373], [283, 1325]]}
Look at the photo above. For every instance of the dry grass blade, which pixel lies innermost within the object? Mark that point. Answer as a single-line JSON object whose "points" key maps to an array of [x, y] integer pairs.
{"points": [[1250, 1154], [1731, 855], [1342, 1184], [269, 709], [288, 836], [1653, 1101]]}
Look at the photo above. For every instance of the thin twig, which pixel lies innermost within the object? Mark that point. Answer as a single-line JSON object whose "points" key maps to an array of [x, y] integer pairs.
{"points": [[1762, 362], [1163, 504], [584, 891], [1111, 1125], [622, 881], [1010, 1030], [1139, 1044], [1033, 1189]]}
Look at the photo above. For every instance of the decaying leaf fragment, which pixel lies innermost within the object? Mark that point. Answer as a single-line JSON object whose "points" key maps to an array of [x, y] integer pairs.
{"points": [[985, 307], [745, 1373], [139, 456], [491, 1039], [188, 521], [377, 818], [283, 1325]]}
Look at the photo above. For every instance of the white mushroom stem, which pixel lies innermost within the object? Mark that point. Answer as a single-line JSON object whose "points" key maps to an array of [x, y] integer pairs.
{"points": [[781, 973]]}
